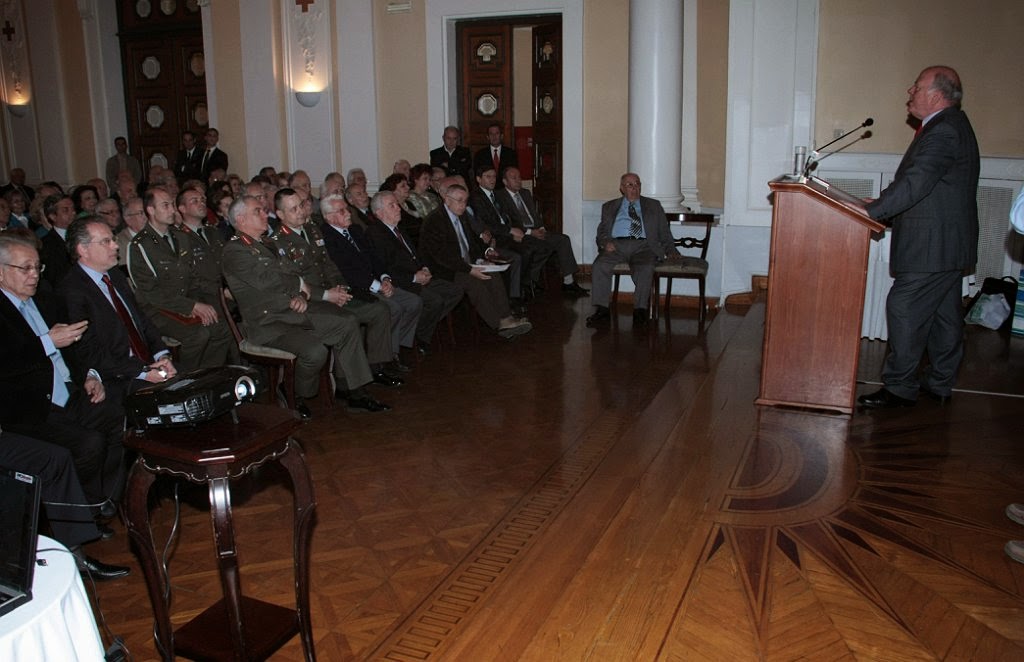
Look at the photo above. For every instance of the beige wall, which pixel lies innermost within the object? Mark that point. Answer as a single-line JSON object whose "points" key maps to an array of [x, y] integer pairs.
{"points": [[712, 96], [400, 46], [226, 63], [870, 51], [81, 142]]}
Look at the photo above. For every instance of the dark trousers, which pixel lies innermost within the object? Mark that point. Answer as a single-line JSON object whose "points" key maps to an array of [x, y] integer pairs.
{"points": [[440, 297], [925, 313], [59, 484]]}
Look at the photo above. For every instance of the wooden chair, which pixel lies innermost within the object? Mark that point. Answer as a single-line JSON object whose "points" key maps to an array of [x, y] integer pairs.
{"points": [[280, 364], [688, 267]]}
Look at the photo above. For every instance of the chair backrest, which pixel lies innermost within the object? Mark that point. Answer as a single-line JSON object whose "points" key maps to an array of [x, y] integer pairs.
{"points": [[692, 221], [225, 310]]}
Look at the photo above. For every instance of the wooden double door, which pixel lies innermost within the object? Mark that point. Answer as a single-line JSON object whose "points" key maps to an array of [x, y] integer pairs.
{"points": [[164, 77], [487, 94]]}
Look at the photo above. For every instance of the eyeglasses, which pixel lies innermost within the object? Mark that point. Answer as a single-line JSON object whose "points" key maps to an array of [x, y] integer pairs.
{"points": [[106, 241], [28, 268]]}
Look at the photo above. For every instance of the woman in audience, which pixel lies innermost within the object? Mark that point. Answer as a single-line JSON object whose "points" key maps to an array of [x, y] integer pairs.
{"points": [[421, 200], [16, 209], [85, 198], [218, 203]]}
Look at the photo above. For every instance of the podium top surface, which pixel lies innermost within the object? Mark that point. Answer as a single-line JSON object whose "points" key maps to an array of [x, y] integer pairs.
{"points": [[827, 194]]}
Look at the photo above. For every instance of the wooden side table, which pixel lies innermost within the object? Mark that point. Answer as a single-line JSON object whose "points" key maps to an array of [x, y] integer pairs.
{"points": [[236, 627]]}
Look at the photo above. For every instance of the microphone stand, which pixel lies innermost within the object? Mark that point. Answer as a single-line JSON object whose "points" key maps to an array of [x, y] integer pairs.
{"points": [[813, 161]]}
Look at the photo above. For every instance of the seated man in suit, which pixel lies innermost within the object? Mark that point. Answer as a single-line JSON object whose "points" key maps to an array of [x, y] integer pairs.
{"points": [[454, 157], [450, 249], [348, 248], [59, 211], [521, 209], [62, 497], [120, 343], [495, 154], [134, 221], [44, 392], [633, 229], [494, 226], [359, 202], [169, 289], [398, 258], [277, 311]]}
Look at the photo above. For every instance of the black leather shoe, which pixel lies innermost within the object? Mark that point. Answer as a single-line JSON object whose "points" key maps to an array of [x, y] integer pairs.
{"points": [[384, 379], [302, 409], [573, 289], [98, 570], [932, 395], [396, 366], [600, 317], [366, 403], [423, 348], [640, 317], [883, 399]]}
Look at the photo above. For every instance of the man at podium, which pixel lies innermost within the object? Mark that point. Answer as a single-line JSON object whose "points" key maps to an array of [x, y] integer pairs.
{"points": [[932, 207]]}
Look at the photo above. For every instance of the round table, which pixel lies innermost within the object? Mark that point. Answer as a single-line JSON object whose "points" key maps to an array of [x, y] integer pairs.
{"points": [[57, 624]]}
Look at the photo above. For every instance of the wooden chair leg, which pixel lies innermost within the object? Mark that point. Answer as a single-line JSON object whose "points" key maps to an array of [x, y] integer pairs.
{"points": [[613, 304], [668, 296], [289, 384], [702, 303]]}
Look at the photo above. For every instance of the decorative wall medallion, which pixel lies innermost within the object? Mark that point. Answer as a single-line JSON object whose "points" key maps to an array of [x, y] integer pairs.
{"points": [[546, 51], [151, 67], [197, 64], [168, 6], [143, 8], [155, 116], [200, 115], [547, 104], [158, 158], [486, 51], [487, 104]]}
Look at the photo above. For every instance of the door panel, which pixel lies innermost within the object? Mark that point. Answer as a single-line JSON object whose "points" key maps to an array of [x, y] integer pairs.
{"points": [[547, 122]]}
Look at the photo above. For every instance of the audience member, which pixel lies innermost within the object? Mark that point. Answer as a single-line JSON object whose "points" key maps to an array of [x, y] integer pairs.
{"points": [[454, 157], [359, 201], [213, 158], [422, 201], [17, 183], [59, 212], [496, 155], [134, 221], [85, 199], [122, 161], [188, 164]]}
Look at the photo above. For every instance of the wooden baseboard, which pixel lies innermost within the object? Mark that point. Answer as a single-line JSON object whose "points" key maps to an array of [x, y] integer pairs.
{"points": [[758, 292]]}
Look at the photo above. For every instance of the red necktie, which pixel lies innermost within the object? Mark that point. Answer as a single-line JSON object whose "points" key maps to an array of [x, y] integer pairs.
{"points": [[496, 159], [138, 345]]}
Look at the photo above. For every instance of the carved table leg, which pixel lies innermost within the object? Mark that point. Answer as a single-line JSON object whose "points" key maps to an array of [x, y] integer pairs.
{"points": [[227, 561], [305, 503]]}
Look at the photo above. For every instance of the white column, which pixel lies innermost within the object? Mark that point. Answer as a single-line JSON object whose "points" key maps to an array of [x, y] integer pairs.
{"points": [[358, 110], [688, 156], [106, 85], [309, 99], [655, 97]]}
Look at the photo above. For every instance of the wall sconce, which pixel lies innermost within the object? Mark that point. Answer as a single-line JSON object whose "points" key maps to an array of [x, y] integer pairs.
{"points": [[17, 109], [307, 99]]}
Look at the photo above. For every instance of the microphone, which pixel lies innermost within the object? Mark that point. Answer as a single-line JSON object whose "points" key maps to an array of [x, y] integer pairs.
{"points": [[814, 155], [811, 166]]}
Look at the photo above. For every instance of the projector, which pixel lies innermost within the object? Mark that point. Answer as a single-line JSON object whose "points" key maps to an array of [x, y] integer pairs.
{"points": [[193, 397]]}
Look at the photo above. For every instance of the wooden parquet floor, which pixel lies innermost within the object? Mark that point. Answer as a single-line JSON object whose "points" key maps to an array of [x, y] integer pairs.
{"points": [[616, 495]]}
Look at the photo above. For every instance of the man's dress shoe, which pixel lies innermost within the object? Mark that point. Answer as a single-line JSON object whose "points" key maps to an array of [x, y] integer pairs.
{"points": [[396, 366], [932, 395], [884, 399], [423, 348], [600, 317], [98, 570], [366, 403], [640, 317], [384, 379], [302, 409], [573, 289]]}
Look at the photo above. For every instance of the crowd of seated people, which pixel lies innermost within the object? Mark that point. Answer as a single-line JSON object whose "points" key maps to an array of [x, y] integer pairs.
{"points": [[118, 267]]}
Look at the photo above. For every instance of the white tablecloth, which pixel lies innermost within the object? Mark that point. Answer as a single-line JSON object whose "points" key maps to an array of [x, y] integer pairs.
{"points": [[57, 624]]}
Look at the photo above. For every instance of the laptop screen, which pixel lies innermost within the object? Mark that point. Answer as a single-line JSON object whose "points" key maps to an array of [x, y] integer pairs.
{"points": [[19, 509]]}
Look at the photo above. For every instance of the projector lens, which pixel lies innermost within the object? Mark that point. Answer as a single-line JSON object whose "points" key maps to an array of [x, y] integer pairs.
{"points": [[245, 388]]}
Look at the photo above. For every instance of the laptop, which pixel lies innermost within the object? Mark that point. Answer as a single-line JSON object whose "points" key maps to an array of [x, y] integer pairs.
{"points": [[19, 519]]}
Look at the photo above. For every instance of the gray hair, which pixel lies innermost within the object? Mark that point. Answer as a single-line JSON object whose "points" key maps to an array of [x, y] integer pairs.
{"points": [[238, 207], [331, 203], [377, 201], [9, 241], [78, 233]]}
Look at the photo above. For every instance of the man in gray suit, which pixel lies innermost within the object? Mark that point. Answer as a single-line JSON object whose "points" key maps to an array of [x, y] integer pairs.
{"points": [[633, 229], [932, 207]]}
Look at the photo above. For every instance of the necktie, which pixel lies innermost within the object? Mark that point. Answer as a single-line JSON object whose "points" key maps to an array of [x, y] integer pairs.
{"points": [[635, 229], [134, 338], [404, 242], [345, 233], [206, 157], [463, 244], [302, 233], [527, 219], [201, 231], [61, 374], [495, 159], [170, 243]]}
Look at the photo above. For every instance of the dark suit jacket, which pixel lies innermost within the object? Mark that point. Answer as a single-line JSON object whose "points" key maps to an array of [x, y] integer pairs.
{"points": [[459, 163], [218, 159], [54, 254], [932, 200], [394, 258], [27, 190], [188, 168], [659, 237], [491, 216], [507, 159], [105, 346], [506, 202], [26, 373], [359, 267], [439, 245]]}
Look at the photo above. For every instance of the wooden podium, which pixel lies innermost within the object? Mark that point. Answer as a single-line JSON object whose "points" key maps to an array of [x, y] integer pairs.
{"points": [[816, 274]]}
